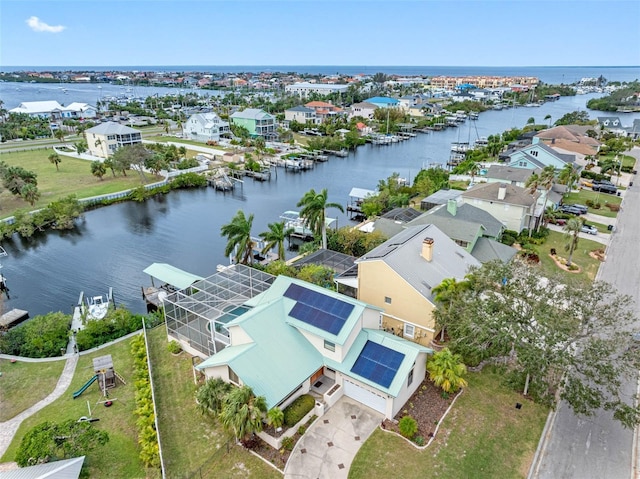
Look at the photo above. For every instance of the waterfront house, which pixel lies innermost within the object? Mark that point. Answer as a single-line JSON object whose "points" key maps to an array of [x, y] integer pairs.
{"points": [[510, 174], [539, 155], [301, 114], [512, 205], [104, 139], [205, 127], [399, 276], [323, 110], [257, 121], [304, 89], [294, 337], [79, 111], [362, 109], [50, 109], [571, 139], [383, 102]]}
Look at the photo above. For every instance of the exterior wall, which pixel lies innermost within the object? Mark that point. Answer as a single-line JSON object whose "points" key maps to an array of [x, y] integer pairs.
{"points": [[221, 372], [363, 112], [102, 149], [238, 336], [248, 123], [497, 180], [108, 144], [318, 343], [419, 372], [300, 116], [195, 130], [389, 409], [376, 281], [514, 217]]}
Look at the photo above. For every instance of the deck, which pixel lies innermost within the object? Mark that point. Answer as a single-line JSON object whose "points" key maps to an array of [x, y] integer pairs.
{"points": [[13, 317]]}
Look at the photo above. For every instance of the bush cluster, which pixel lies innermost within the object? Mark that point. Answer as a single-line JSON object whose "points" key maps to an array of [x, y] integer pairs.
{"points": [[592, 175], [295, 411], [40, 337], [147, 436], [114, 325]]}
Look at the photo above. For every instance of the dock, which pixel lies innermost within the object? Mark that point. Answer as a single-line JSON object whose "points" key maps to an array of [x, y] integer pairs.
{"points": [[13, 317]]}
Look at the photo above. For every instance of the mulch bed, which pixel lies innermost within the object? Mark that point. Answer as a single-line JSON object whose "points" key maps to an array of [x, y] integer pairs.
{"points": [[561, 263], [427, 406]]}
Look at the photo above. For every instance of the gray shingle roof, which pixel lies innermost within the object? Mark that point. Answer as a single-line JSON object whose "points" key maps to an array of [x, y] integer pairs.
{"points": [[402, 253], [301, 108], [112, 128], [252, 114], [489, 192], [486, 250], [466, 212], [510, 173]]}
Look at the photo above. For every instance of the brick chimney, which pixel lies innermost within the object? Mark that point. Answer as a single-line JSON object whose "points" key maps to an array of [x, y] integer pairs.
{"points": [[427, 249], [502, 191]]}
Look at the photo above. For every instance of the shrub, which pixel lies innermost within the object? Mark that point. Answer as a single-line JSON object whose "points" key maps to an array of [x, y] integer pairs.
{"points": [[287, 443], [41, 337], [295, 411], [613, 207], [419, 440], [174, 347], [187, 163], [275, 417], [408, 427], [114, 325], [597, 206], [302, 430], [589, 203]]}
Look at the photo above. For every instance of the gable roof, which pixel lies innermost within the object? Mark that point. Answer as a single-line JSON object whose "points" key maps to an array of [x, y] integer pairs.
{"points": [[65, 469], [565, 158], [486, 250], [402, 254], [510, 173], [171, 275], [364, 104], [30, 107], [252, 114], [301, 108], [514, 195], [79, 107], [465, 213], [112, 128]]}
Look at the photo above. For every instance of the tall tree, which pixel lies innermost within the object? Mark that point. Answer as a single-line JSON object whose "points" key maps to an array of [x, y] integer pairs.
{"points": [[29, 192], [572, 230], [445, 295], [542, 181], [59, 134], [275, 237], [314, 209], [243, 412], [569, 175], [55, 159], [239, 242]]}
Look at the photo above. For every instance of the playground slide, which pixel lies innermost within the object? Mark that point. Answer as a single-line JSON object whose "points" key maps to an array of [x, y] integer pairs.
{"points": [[84, 388]]}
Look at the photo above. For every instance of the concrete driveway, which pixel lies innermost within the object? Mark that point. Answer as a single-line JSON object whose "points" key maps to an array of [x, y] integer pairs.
{"points": [[329, 446]]}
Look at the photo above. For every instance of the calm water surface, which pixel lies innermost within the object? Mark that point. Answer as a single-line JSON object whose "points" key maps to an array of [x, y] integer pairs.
{"points": [[112, 245]]}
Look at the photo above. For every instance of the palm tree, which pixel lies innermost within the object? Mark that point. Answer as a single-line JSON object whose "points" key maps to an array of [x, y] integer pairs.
{"points": [[242, 412], [314, 208], [275, 238], [211, 395], [238, 233], [446, 370], [59, 134], [569, 175], [30, 193], [572, 228], [544, 180], [98, 169], [55, 159], [445, 294], [548, 117]]}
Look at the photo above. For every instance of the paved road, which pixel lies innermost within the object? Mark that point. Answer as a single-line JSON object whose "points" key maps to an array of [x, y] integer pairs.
{"points": [[598, 447]]}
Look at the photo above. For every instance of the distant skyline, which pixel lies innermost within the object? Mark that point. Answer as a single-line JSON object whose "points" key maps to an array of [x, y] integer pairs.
{"points": [[330, 32]]}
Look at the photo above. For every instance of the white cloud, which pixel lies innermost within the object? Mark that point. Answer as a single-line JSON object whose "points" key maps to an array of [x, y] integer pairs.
{"points": [[38, 25]]}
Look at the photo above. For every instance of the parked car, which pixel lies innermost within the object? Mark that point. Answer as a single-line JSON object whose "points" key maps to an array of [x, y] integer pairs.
{"points": [[592, 230], [558, 221], [572, 209], [605, 188], [582, 208], [586, 182]]}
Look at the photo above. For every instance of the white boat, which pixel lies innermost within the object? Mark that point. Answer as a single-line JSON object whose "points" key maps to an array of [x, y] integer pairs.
{"points": [[97, 307]]}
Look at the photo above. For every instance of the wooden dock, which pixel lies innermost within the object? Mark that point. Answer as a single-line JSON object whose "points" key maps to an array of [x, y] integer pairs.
{"points": [[13, 317]]}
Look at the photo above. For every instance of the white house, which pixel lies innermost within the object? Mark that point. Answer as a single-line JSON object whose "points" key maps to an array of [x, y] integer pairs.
{"points": [[104, 139], [205, 127], [362, 109], [301, 114], [303, 89], [44, 109]]}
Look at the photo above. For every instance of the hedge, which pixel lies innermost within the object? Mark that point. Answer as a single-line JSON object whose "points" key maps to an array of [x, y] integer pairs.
{"points": [[295, 411]]}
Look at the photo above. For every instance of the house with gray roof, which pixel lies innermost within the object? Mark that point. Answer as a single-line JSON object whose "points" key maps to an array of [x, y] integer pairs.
{"points": [[510, 174], [63, 469], [257, 121], [104, 139], [399, 276], [301, 114], [205, 127], [296, 337], [513, 206], [539, 155]]}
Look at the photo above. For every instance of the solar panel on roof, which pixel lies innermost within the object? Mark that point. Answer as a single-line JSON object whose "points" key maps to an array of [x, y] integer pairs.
{"points": [[378, 363], [317, 309]]}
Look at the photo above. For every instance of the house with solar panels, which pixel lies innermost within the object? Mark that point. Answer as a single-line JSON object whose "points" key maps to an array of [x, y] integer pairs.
{"points": [[294, 338]]}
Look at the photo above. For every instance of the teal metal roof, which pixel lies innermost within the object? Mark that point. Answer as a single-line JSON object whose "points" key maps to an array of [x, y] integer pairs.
{"points": [[277, 361], [172, 275], [409, 349]]}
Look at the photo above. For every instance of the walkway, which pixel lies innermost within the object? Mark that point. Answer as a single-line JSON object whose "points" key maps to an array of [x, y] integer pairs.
{"points": [[327, 449], [10, 427]]}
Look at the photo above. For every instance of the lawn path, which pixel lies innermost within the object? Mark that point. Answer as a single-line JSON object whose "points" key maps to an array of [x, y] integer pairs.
{"points": [[9, 428]]}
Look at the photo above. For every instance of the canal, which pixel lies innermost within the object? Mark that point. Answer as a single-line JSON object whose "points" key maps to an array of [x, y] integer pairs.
{"points": [[111, 246]]}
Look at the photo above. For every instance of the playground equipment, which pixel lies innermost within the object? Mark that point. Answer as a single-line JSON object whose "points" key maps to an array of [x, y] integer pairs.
{"points": [[84, 388], [104, 373]]}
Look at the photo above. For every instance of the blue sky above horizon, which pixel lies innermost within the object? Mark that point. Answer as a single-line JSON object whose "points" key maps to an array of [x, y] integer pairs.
{"points": [[328, 32]]}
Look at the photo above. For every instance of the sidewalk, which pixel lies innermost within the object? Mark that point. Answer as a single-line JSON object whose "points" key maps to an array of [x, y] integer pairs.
{"points": [[10, 427]]}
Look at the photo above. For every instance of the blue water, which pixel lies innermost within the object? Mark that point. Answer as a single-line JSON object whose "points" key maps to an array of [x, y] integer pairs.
{"points": [[553, 75]]}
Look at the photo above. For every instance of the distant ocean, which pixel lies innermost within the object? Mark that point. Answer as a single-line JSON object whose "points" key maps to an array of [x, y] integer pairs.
{"points": [[553, 75]]}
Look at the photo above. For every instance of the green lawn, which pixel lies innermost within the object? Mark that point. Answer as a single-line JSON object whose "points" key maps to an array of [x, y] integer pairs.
{"points": [[74, 177], [484, 436], [627, 160], [119, 457], [23, 384], [190, 153], [190, 439], [583, 195], [589, 266]]}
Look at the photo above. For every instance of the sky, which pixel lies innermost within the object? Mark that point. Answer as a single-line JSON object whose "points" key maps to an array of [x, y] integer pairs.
{"points": [[327, 32]]}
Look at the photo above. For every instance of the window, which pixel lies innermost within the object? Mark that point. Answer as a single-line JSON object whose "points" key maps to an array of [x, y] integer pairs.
{"points": [[328, 345], [409, 330], [387, 299], [233, 377], [410, 378]]}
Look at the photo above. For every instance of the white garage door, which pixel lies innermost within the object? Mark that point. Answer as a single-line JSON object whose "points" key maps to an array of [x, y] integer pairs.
{"points": [[365, 396]]}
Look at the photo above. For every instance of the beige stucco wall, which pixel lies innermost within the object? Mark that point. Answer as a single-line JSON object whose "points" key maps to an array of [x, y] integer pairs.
{"points": [[376, 281], [238, 336], [512, 216]]}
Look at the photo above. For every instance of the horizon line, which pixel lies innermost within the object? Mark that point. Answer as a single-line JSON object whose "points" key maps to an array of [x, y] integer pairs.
{"points": [[330, 65]]}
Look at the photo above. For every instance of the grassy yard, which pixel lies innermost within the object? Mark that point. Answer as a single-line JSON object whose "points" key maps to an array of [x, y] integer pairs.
{"points": [[190, 439], [583, 195], [190, 153], [119, 457], [589, 266], [23, 384], [627, 160], [484, 436], [74, 177]]}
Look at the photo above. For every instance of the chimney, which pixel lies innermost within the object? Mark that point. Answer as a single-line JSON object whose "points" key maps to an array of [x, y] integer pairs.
{"points": [[452, 207], [427, 249], [502, 191]]}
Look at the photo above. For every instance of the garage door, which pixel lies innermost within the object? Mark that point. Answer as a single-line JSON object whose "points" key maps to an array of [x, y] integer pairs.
{"points": [[366, 397]]}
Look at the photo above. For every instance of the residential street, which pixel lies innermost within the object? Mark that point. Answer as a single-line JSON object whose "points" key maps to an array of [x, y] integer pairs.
{"points": [[598, 446]]}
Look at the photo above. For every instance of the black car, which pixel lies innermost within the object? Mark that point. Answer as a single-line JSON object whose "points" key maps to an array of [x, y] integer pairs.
{"points": [[605, 188], [572, 209]]}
